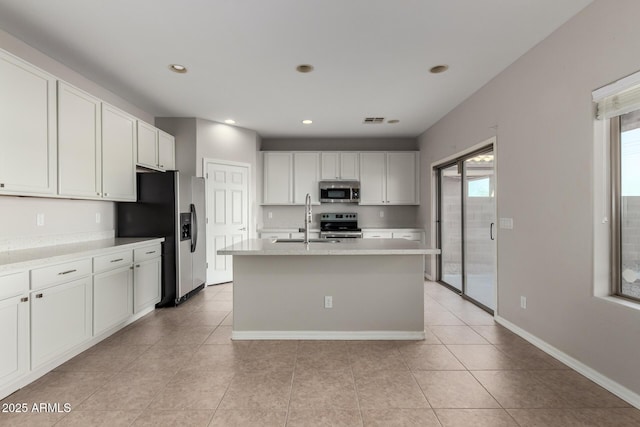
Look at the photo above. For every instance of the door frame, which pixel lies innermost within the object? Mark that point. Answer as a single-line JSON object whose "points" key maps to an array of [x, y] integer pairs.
{"points": [[435, 214], [206, 161]]}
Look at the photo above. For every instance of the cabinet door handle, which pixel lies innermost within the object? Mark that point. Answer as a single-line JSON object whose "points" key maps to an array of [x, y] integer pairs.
{"points": [[131, 268], [1, 185], [151, 252], [24, 299], [117, 260], [67, 272], [161, 166], [106, 194], [98, 194], [138, 265], [242, 229], [39, 295]]}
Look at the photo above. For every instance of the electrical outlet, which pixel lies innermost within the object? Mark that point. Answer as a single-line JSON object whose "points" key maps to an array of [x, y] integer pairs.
{"points": [[98, 218], [523, 302], [270, 215], [381, 214], [328, 301], [40, 220]]}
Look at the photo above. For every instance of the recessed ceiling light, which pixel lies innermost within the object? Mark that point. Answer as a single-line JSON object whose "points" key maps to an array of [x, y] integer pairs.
{"points": [[307, 122], [177, 68], [393, 121], [439, 69], [304, 68], [230, 122]]}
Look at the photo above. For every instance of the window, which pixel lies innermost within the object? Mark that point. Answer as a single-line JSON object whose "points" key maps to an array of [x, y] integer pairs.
{"points": [[619, 104], [626, 203]]}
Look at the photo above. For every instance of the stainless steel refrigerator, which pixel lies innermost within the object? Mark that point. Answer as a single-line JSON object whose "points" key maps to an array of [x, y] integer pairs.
{"points": [[171, 205]]}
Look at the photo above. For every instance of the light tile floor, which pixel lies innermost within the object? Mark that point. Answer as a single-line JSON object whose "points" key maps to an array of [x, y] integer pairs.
{"points": [[178, 367]]}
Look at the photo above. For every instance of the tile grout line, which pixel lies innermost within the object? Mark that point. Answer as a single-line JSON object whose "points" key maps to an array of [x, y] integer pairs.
{"points": [[293, 377], [355, 386]]}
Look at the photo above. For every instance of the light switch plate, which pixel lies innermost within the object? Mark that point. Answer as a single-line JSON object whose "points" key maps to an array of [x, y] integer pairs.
{"points": [[98, 218], [40, 220], [506, 223]]}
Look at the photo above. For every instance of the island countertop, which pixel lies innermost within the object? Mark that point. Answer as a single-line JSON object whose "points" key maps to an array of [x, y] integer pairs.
{"points": [[346, 247]]}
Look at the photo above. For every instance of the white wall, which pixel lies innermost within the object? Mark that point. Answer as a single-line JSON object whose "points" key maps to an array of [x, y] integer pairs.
{"points": [[542, 108], [62, 216]]}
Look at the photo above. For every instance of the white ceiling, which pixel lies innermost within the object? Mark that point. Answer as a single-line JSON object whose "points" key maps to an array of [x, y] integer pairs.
{"points": [[371, 57]]}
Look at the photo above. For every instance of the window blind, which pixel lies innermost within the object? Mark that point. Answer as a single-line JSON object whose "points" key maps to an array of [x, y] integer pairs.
{"points": [[617, 98]]}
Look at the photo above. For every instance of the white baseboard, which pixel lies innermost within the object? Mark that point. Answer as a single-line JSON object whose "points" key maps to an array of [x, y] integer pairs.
{"points": [[619, 390], [327, 335]]}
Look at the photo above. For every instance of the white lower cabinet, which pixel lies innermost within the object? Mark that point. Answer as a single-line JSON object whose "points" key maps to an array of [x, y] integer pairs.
{"points": [[14, 326], [399, 233], [53, 312], [146, 284], [377, 235], [60, 319], [112, 298]]}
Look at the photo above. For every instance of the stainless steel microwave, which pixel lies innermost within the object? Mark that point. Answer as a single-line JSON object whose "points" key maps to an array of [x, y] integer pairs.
{"points": [[339, 192]]}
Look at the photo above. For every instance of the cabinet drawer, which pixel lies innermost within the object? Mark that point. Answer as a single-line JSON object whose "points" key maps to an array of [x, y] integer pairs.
{"points": [[148, 252], [409, 235], [377, 235], [111, 261], [13, 284], [43, 277]]}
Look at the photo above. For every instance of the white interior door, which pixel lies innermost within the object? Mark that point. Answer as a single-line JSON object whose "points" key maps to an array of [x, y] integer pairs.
{"points": [[227, 215]]}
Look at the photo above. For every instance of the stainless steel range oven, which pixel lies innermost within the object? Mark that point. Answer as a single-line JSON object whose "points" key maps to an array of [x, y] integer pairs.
{"points": [[339, 226]]}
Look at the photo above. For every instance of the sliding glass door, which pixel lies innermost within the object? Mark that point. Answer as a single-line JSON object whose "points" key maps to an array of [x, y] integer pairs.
{"points": [[451, 226], [467, 226]]}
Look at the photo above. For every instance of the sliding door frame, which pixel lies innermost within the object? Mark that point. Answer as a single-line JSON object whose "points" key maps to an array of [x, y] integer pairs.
{"points": [[485, 146]]}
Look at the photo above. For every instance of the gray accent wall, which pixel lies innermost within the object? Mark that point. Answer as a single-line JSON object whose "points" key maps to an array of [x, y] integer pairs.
{"points": [[198, 139], [541, 112], [368, 216]]}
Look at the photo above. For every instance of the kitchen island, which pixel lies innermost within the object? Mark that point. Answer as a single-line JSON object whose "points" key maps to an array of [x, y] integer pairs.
{"points": [[357, 289]]}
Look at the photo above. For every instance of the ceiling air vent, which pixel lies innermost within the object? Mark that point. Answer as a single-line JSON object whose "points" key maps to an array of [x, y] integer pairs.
{"points": [[373, 120]]}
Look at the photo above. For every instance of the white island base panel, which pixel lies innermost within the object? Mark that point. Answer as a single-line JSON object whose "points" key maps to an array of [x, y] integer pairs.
{"points": [[375, 297]]}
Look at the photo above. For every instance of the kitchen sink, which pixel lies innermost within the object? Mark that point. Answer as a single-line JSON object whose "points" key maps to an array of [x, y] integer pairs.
{"points": [[302, 241]]}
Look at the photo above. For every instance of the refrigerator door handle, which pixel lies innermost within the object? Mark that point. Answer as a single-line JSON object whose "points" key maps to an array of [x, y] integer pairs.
{"points": [[194, 228]]}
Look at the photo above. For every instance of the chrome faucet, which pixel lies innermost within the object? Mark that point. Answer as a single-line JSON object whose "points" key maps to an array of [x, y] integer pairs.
{"points": [[307, 217]]}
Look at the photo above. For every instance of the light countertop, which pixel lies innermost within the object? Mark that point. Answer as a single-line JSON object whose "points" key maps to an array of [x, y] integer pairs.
{"points": [[349, 247], [317, 230], [35, 257]]}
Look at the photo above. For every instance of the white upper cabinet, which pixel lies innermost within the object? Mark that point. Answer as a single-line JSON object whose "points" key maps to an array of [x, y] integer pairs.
{"points": [[339, 165], [118, 154], [402, 178], [166, 151], [277, 178], [390, 178], [147, 145], [79, 143], [156, 149], [373, 183], [306, 171], [28, 123]]}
